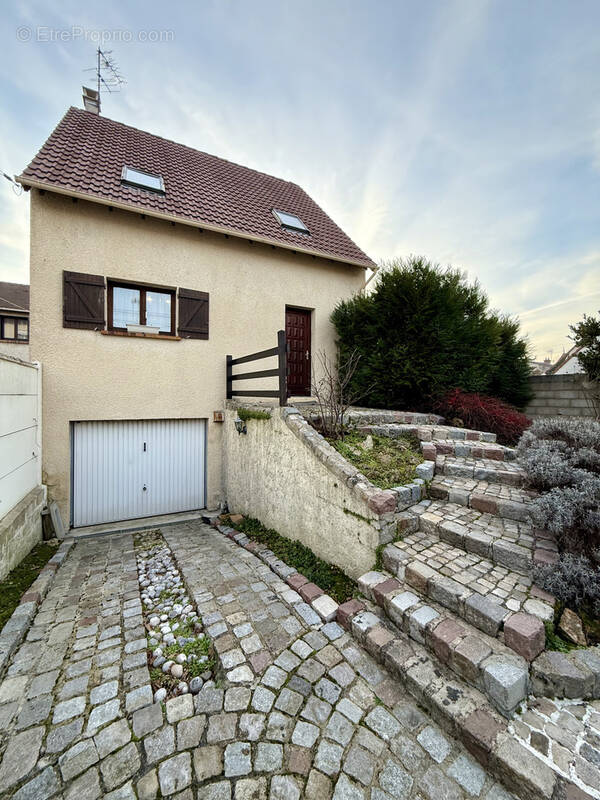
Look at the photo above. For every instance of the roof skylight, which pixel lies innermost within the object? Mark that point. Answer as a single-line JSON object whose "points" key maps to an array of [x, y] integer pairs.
{"points": [[145, 180], [290, 221]]}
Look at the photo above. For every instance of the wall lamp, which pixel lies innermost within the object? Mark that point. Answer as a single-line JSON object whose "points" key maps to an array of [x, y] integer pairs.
{"points": [[240, 425]]}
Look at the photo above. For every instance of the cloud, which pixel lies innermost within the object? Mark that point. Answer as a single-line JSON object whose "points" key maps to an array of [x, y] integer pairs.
{"points": [[468, 133]]}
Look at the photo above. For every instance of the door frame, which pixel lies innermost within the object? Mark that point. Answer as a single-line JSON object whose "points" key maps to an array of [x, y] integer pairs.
{"points": [[74, 422], [311, 313]]}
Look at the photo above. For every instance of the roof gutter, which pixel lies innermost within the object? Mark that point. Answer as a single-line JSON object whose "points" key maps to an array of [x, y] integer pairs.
{"points": [[49, 187]]}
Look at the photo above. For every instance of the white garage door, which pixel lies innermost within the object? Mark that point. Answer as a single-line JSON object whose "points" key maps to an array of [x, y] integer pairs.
{"points": [[125, 470]]}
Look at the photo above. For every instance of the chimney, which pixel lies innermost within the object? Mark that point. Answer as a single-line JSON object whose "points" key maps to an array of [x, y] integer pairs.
{"points": [[91, 100]]}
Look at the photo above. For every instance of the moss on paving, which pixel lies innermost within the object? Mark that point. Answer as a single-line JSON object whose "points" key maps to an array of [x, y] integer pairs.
{"points": [[331, 579], [388, 463], [20, 579]]}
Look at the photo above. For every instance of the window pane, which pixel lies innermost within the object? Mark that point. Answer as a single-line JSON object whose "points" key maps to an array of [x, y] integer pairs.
{"points": [[9, 329], [143, 179], [22, 329], [126, 306], [158, 310]]}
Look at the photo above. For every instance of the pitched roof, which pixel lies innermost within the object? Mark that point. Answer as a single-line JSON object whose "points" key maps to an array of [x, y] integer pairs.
{"points": [[86, 154], [14, 296]]}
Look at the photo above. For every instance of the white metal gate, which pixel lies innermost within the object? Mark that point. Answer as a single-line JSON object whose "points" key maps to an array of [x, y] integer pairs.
{"points": [[124, 470]]}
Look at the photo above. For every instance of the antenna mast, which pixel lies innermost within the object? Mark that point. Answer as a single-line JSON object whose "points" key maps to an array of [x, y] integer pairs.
{"points": [[108, 78]]}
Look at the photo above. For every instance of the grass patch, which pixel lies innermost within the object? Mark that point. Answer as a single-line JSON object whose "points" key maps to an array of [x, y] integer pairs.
{"points": [[331, 579], [388, 463], [250, 413], [20, 579]]}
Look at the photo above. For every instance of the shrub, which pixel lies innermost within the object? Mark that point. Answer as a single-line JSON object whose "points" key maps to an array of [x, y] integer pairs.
{"points": [[562, 457], [424, 330], [485, 414], [571, 514], [574, 581], [560, 452]]}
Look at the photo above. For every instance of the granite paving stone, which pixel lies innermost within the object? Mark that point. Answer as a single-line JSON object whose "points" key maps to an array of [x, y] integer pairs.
{"points": [[301, 710]]}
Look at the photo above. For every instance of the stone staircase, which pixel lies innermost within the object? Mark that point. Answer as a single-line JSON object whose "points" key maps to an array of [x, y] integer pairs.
{"points": [[458, 580]]}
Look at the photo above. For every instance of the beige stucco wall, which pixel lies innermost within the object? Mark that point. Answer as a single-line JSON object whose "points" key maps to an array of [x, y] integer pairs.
{"points": [[282, 473], [14, 349], [88, 376]]}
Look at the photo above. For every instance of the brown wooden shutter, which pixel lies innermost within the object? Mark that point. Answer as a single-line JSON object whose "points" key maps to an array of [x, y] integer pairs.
{"points": [[193, 314], [83, 300]]}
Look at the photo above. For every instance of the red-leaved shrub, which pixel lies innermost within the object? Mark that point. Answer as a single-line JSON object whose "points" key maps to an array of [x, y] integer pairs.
{"points": [[483, 413]]}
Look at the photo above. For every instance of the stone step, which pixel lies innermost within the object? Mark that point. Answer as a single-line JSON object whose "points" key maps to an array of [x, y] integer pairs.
{"points": [[427, 433], [473, 587], [467, 449], [483, 661], [506, 542], [465, 713], [502, 500], [481, 469]]}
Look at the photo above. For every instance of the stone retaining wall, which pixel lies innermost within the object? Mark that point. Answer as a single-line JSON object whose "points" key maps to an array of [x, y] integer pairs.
{"points": [[558, 395], [287, 475], [21, 530]]}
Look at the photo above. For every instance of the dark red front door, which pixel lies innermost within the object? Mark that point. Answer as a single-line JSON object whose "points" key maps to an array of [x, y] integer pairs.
{"points": [[297, 331]]}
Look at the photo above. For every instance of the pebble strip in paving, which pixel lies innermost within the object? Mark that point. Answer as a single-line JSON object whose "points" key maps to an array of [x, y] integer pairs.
{"points": [[179, 650], [302, 710]]}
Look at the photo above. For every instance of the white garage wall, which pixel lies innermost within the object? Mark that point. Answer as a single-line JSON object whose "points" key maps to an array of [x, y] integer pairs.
{"points": [[20, 431]]}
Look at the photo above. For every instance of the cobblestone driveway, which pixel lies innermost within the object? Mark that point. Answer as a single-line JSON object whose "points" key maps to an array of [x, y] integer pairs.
{"points": [[301, 710]]}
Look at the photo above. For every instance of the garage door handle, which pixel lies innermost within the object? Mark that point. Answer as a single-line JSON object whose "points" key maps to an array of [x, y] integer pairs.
{"points": [[145, 488]]}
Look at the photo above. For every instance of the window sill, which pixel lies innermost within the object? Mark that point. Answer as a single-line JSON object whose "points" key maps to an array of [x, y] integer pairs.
{"points": [[160, 336]]}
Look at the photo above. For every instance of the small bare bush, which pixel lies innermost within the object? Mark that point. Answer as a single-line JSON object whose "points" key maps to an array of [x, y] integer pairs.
{"points": [[334, 393]]}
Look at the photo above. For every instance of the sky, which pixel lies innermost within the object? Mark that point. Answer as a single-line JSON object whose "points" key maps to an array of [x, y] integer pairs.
{"points": [[464, 131]]}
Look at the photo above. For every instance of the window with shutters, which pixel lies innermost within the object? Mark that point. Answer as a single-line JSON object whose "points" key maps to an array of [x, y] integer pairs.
{"points": [[83, 301], [132, 304], [193, 314]]}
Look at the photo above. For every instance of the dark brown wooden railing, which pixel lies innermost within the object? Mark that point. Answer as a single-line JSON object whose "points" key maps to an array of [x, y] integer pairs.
{"points": [[279, 372]]}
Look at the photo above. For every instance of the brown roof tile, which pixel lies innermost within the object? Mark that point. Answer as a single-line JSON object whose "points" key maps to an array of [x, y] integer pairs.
{"points": [[86, 154], [14, 296]]}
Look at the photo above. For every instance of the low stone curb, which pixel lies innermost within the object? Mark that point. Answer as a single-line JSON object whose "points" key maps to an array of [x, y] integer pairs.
{"points": [[16, 627], [310, 603], [359, 417], [427, 432], [461, 710]]}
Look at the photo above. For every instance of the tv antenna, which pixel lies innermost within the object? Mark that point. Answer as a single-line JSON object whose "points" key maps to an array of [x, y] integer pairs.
{"points": [[108, 79]]}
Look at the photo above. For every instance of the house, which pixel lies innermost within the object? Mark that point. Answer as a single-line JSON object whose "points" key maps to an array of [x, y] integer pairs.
{"points": [[540, 367], [151, 262], [14, 320], [568, 363]]}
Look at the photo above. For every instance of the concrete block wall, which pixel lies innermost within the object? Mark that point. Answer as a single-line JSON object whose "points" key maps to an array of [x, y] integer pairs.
{"points": [[558, 395], [21, 530]]}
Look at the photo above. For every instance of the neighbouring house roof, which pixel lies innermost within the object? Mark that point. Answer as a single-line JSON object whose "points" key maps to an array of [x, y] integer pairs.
{"points": [[564, 360], [14, 296], [86, 153]]}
